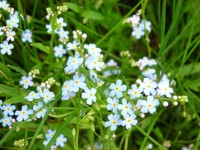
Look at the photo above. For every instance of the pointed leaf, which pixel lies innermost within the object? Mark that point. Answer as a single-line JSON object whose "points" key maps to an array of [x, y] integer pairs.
{"points": [[90, 14], [73, 7], [41, 47]]}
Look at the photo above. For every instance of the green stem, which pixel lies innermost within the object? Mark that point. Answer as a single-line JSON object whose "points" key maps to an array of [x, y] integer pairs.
{"points": [[150, 138]]}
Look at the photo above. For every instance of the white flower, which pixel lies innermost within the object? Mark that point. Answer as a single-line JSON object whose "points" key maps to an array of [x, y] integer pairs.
{"points": [[73, 63], [63, 34], [59, 51], [149, 73], [92, 49], [112, 104], [4, 5], [129, 121], [24, 113], [61, 23], [112, 63], [89, 94], [135, 91], [72, 46], [6, 48], [134, 20], [164, 89], [26, 81], [149, 86], [10, 35], [32, 95], [117, 89], [145, 25], [40, 111], [114, 121], [47, 95], [126, 108], [137, 32], [6, 121], [94, 63], [149, 105], [77, 82], [8, 109], [60, 140], [27, 36]]}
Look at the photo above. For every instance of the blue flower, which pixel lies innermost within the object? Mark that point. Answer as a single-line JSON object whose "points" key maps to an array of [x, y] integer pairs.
{"points": [[40, 112], [114, 121], [77, 82], [129, 121], [117, 89], [89, 94], [26, 81], [59, 51], [126, 108], [61, 140], [24, 113], [112, 104], [73, 63], [32, 95], [148, 105], [8, 109], [6, 121], [50, 134], [27, 36], [47, 95], [6, 48]]}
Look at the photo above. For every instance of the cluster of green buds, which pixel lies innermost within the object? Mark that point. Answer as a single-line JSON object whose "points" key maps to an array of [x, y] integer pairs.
{"points": [[6, 28], [125, 54], [61, 9], [132, 62], [48, 83], [34, 72], [20, 143], [79, 36], [180, 99], [49, 13], [188, 116], [10, 10]]}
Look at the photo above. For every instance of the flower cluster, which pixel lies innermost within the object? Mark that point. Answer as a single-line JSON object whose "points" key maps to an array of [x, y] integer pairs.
{"points": [[8, 31], [10, 113], [82, 76], [86, 57], [60, 140], [26, 81], [112, 68], [143, 96], [140, 26], [58, 28]]}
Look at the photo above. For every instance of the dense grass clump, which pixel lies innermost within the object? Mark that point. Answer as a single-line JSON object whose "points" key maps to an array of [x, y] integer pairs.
{"points": [[99, 75]]}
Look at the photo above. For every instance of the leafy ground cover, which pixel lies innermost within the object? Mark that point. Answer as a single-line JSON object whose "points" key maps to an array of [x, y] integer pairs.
{"points": [[99, 74]]}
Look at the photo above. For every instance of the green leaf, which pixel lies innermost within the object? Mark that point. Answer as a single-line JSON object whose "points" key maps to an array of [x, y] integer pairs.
{"points": [[17, 69], [190, 69], [17, 99], [41, 47], [4, 71], [72, 6], [90, 14], [8, 91], [158, 133]]}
